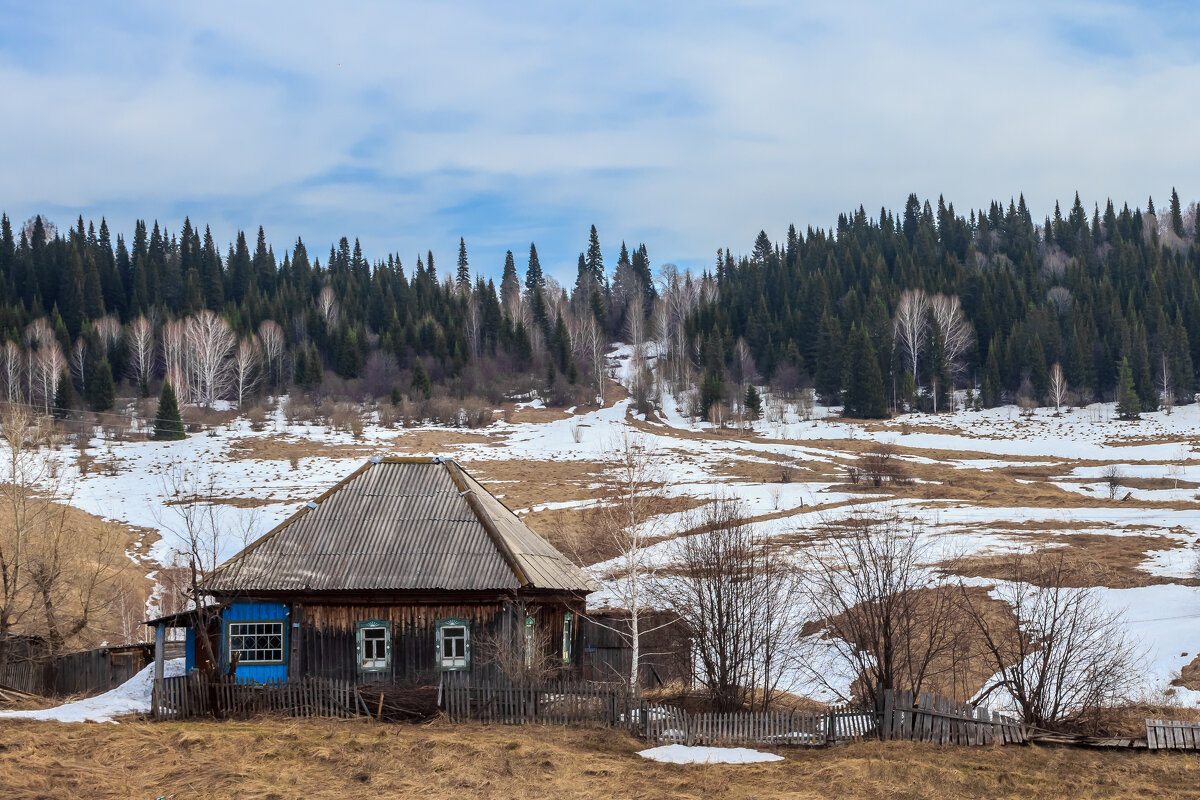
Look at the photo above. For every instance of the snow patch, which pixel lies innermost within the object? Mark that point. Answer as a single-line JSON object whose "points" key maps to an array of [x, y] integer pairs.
{"points": [[682, 754], [131, 697]]}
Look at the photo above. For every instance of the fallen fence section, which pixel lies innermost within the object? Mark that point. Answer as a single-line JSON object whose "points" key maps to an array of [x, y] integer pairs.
{"points": [[198, 695], [1166, 734], [939, 720], [771, 728]]}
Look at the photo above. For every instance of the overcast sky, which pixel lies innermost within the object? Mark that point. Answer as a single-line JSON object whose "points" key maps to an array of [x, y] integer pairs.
{"points": [[688, 126]]}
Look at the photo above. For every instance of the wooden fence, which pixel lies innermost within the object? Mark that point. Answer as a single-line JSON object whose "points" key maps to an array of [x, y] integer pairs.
{"points": [[198, 695], [88, 672], [939, 720], [562, 703], [1168, 734], [771, 728]]}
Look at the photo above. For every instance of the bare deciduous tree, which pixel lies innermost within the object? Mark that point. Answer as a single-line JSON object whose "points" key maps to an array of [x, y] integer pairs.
{"points": [[734, 591], [209, 343], [912, 327], [1062, 656], [79, 360], [327, 303], [246, 371], [629, 520], [473, 323], [956, 331], [270, 337], [174, 347], [1113, 478], [889, 618], [48, 363], [1058, 386], [12, 365], [1166, 385], [141, 351]]}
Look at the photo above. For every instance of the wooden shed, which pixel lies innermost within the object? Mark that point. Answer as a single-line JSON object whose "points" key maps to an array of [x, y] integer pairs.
{"points": [[405, 570]]}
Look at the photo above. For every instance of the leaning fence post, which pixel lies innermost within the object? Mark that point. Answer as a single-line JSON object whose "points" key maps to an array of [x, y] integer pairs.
{"points": [[831, 727]]}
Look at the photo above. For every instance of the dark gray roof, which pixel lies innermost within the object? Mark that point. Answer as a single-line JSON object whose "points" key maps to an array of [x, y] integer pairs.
{"points": [[401, 524]]}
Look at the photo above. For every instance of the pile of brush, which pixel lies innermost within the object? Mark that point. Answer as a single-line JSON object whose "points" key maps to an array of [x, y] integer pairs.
{"points": [[393, 702]]}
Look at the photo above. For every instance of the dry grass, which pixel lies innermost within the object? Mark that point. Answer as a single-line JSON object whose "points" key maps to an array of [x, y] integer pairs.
{"points": [[1093, 559], [278, 759]]}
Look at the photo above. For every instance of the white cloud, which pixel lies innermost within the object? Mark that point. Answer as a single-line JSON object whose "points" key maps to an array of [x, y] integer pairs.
{"points": [[689, 126]]}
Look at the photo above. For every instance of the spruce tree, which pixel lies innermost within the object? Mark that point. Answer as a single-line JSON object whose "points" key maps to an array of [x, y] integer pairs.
{"points": [[420, 379], [753, 402], [1128, 404], [64, 395], [463, 275], [167, 424], [533, 274], [863, 396], [100, 389]]}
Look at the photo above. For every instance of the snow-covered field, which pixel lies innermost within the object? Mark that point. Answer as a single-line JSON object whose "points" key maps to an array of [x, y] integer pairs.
{"points": [[1067, 455]]}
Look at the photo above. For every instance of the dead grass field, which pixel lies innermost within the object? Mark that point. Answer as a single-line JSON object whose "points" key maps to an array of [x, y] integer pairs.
{"points": [[278, 760]]}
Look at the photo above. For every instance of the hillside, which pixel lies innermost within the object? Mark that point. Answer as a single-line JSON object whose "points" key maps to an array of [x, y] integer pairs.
{"points": [[981, 483]]}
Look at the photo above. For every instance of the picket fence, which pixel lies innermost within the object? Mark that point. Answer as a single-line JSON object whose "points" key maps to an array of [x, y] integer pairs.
{"points": [[770, 728], [560, 703], [934, 719], [199, 695], [1169, 734]]}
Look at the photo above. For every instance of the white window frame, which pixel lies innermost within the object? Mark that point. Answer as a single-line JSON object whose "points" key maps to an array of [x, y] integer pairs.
{"points": [[459, 661], [380, 631], [241, 629]]}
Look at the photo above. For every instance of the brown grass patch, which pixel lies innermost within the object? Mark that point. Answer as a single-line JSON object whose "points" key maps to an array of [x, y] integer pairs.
{"points": [[1093, 559], [279, 760]]}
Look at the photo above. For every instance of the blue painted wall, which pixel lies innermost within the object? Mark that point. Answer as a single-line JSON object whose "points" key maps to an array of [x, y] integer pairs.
{"points": [[239, 612], [189, 649]]}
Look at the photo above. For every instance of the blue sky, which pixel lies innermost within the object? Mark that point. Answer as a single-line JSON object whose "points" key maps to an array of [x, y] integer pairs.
{"points": [[688, 126]]}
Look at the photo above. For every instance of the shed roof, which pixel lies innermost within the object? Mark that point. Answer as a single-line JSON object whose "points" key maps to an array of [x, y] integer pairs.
{"points": [[401, 524]]}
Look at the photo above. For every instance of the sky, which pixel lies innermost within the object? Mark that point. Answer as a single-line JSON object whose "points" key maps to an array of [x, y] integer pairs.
{"points": [[686, 126]]}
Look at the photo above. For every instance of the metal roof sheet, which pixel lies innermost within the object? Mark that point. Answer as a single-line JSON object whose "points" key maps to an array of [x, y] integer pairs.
{"points": [[401, 524]]}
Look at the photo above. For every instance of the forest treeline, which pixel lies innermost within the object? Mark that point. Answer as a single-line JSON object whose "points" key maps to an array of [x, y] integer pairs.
{"points": [[880, 315], [989, 302]]}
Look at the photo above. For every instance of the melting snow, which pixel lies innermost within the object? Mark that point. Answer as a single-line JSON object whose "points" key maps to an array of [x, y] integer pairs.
{"points": [[681, 754], [131, 697]]}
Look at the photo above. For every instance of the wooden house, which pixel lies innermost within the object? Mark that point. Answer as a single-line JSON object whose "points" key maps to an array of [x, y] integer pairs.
{"points": [[405, 570]]}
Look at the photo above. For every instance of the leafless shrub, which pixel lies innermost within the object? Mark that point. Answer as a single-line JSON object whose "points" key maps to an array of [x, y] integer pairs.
{"points": [[881, 464], [1114, 478], [518, 656], [576, 430], [257, 417], [804, 403], [734, 592], [1062, 656], [298, 410], [888, 619]]}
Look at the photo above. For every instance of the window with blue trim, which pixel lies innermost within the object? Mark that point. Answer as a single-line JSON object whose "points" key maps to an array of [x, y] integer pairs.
{"points": [[453, 644], [374, 645]]}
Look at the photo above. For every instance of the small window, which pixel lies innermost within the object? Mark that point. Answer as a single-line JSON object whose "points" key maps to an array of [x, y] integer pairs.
{"points": [[256, 642], [374, 646], [454, 644], [568, 636]]}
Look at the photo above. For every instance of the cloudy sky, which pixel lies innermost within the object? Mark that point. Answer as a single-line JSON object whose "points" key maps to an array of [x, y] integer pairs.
{"points": [[688, 126]]}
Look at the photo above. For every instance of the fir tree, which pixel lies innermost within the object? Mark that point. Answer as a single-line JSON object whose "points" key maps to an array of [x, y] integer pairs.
{"points": [[100, 390], [863, 396], [64, 395], [463, 274], [420, 380], [167, 424], [1128, 404], [753, 402]]}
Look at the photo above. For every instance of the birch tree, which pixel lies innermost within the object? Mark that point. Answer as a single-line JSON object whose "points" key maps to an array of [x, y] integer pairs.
{"points": [[246, 370], [1166, 384], [209, 343], [79, 359], [270, 339], [48, 364], [12, 367], [1058, 386], [956, 331], [174, 343], [912, 327], [141, 352], [327, 304], [631, 518]]}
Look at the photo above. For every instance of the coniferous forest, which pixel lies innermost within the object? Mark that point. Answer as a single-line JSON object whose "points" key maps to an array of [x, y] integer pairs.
{"points": [[923, 308]]}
